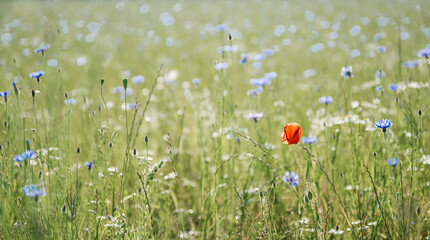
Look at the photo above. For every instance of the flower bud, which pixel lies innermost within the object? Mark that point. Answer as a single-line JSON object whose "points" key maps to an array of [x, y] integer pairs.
{"points": [[15, 88], [124, 83]]}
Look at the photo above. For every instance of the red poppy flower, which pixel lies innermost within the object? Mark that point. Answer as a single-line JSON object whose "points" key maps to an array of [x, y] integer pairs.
{"points": [[291, 134]]}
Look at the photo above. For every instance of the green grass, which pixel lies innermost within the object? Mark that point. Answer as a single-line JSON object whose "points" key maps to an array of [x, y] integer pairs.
{"points": [[205, 171]]}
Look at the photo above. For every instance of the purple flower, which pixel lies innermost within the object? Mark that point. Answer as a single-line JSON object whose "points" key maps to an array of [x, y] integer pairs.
{"points": [[42, 49], [270, 75], [243, 58], [259, 57], [118, 89], [326, 100], [36, 75], [309, 140], [380, 74], [24, 156], [32, 191], [260, 82], [381, 49], [138, 79], [221, 66], [379, 36], [291, 178], [221, 27], [392, 161], [394, 87], [132, 105], [70, 101], [384, 124], [410, 64], [228, 48], [424, 52], [88, 165], [347, 72], [254, 92], [254, 116], [195, 81], [268, 52], [127, 92]]}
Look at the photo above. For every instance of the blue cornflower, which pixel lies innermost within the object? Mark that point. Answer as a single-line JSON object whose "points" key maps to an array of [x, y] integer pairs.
{"points": [[268, 52], [424, 52], [24, 156], [132, 105], [384, 124], [18, 158], [380, 74], [254, 116], [394, 87], [381, 49], [129, 106], [379, 36], [221, 27], [228, 48], [259, 57], [36, 75], [4, 94], [379, 88], [410, 64], [270, 75], [127, 92], [28, 154], [118, 89], [138, 79], [32, 191], [326, 100], [88, 165], [221, 66], [347, 72], [392, 161], [260, 82], [243, 58], [254, 92], [291, 178], [42, 49], [309, 140], [256, 65], [195, 81], [70, 101]]}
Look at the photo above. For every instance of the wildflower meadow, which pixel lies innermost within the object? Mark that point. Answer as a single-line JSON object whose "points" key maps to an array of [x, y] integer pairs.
{"points": [[215, 119]]}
